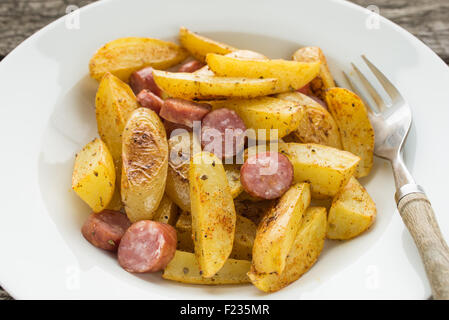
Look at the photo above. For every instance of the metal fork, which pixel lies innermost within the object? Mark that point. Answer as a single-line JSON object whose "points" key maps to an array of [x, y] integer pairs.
{"points": [[391, 126]]}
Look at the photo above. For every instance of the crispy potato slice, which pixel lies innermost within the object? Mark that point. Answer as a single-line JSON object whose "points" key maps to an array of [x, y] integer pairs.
{"points": [[114, 103], [356, 131], [245, 232], [352, 212], [242, 54], [324, 80], [213, 213], [185, 268], [233, 176], [123, 56], [326, 169], [291, 75], [93, 177], [264, 114], [197, 86], [304, 253], [167, 212], [277, 230], [145, 162], [200, 46], [316, 124]]}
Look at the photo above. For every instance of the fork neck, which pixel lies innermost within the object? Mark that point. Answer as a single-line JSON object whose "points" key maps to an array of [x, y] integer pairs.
{"points": [[401, 174]]}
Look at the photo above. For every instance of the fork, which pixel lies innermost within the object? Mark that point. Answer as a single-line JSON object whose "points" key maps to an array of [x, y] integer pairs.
{"points": [[391, 123]]}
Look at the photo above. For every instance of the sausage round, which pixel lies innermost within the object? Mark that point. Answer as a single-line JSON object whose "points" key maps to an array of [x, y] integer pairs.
{"points": [[305, 90], [266, 175], [105, 229], [223, 133], [191, 66], [183, 112], [147, 246], [143, 79], [148, 99]]}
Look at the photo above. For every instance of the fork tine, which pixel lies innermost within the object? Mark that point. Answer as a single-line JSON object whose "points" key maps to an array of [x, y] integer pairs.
{"points": [[356, 89], [388, 86], [372, 91]]}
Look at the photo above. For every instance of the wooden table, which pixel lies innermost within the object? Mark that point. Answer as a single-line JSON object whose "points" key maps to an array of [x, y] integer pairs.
{"points": [[426, 19]]}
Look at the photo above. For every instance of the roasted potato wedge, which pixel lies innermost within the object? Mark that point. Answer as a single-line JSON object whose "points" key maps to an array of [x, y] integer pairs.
{"points": [[352, 212], [242, 54], [278, 228], [144, 167], [123, 56], [184, 268], [245, 232], [326, 169], [116, 200], [316, 124], [291, 75], [200, 46], [264, 114], [324, 80], [197, 86], [213, 212], [167, 212], [303, 254], [93, 177], [356, 131], [233, 176], [114, 103]]}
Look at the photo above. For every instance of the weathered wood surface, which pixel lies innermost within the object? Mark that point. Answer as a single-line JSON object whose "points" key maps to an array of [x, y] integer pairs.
{"points": [[427, 19]]}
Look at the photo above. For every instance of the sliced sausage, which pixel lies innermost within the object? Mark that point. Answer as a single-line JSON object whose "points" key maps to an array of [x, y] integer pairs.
{"points": [[148, 99], [305, 90], [223, 133], [191, 66], [105, 229], [143, 79], [266, 175], [183, 112], [318, 100], [147, 246]]}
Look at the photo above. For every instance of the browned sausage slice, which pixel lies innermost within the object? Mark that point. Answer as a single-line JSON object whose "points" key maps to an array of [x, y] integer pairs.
{"points": [[191, 66], [143, 79], [223, 133], [266, 175], [183, 112], [105, 229], [147, 246], [148, 99]]}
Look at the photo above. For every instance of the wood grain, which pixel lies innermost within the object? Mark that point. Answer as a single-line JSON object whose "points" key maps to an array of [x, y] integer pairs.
{"points": [[417, 214], [427, 19]]}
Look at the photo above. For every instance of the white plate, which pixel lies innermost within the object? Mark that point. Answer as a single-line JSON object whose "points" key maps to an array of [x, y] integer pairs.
{"points": [[47, 114]]}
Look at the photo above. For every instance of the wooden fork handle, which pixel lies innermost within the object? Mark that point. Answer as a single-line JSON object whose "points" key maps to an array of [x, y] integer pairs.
{"points": [[418, 216]]}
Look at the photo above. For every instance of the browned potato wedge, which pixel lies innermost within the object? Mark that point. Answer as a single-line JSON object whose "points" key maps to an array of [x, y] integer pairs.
{"points": [[316, 124], [303, 254], [114, 103], [184, 268], [245, 232], [242, 54], [291, 75], [198, 86], [277, 230], [352, 212], [145, 162], [263, 114], [233, 176], [356, 131], [167, 212], [213, 212], [123, 56], [326, 169], [324, 80], [200, 46], [93, 177]]}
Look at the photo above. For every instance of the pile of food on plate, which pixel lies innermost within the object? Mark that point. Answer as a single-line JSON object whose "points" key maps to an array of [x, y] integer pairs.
{"points": [[211, 161]]}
